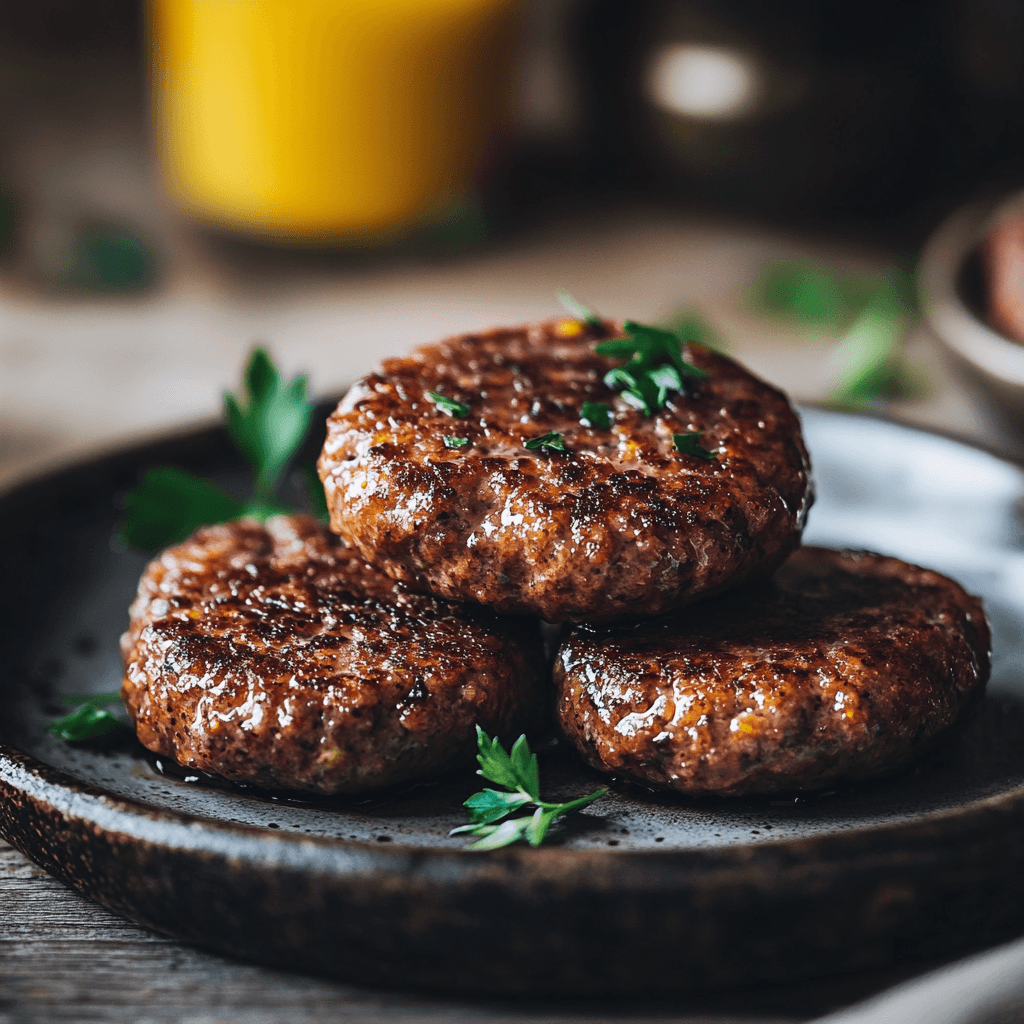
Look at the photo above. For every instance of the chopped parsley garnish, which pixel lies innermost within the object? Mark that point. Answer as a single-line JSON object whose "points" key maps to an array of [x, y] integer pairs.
{"points": [[654, 366], [578, 310], [90, 721], [456, 442], [689, 444], [517, 773], [449, 405], [552, 441], [267, 425], [597, 415]]}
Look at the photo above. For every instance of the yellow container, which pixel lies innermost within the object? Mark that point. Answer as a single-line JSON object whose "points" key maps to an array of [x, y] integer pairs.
{"points": [[328, 119]]}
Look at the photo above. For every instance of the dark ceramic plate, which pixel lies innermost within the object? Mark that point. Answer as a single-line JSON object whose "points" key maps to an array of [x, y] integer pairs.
{"points": [[640, 893]]}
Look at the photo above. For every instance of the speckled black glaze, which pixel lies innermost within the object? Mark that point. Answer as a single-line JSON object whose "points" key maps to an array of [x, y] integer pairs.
{"points": [[638, 895], [620, 524]]}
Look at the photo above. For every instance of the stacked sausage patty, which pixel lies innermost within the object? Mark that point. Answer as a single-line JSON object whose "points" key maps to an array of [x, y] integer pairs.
{"points": [[504, 473], [275, 655], [618, 524], [846, 664]]}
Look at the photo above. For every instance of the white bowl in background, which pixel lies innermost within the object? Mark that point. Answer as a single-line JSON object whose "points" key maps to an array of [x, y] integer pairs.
{"points": [[952, 299]]}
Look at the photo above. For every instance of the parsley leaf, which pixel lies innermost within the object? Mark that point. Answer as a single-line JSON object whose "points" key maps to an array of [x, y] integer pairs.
{"points": [[813, 295], [691, 327], [169, 504], [869, 358], [316, 495], [688, 444], [455, 442], [596, 415], [577, 309], [449, 405], [518, 773], [876, 312], [654, 366], [270, 422], [89, 722], [552, 441]]}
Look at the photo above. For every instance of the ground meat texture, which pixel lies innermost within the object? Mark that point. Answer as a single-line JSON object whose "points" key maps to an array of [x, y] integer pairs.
{"points": [[844, 666], [275, 656], [620, 524]]}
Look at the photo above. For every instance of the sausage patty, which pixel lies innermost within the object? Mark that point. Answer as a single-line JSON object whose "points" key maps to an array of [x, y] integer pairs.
{"points": [[844, 665], [275, 656], [620, 523]]}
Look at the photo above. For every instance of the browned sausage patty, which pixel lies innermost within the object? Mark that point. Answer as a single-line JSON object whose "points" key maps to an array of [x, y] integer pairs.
{"points": [[619, 524], [844, 665], [275, 656]]}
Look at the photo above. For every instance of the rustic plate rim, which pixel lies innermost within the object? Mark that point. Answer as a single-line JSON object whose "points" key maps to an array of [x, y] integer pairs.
{"points": [[209, 434]]}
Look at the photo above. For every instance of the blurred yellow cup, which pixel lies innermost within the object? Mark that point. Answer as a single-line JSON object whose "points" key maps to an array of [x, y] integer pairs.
{"points": [[328, 119]]}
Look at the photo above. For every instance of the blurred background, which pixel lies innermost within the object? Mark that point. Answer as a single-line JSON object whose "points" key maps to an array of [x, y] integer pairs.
{"points": [[821, 184]]}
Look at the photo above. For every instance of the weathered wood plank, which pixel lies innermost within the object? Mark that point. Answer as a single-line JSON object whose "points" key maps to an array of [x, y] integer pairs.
{"points": [[14, 865]]}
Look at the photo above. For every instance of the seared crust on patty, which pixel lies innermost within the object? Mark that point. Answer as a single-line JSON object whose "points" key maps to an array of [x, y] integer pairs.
{"points": [[619, 524], [275, 656], [844, 665]]}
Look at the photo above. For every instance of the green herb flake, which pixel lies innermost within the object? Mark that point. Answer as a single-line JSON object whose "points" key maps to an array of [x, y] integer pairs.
{"points": [[596, 415], [516, 771], [455, 442], [90, 721], [449, 405], [691, 327], [813, 295], [689, 444], [547, 442]]}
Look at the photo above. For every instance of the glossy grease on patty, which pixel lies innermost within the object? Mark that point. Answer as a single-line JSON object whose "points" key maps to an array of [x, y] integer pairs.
{"points": [[275, 656], [843, 666], [621, 524]]}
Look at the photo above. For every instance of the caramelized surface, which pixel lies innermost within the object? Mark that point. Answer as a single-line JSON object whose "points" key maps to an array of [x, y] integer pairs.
{"points": [[844, 665], [276, 656], [620, 524]]}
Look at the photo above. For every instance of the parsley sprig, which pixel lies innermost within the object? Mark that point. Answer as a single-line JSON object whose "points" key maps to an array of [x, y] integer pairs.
{"points": [[517, 773], [90, 721], [654, 366], [869, 365], [267, 424]]}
